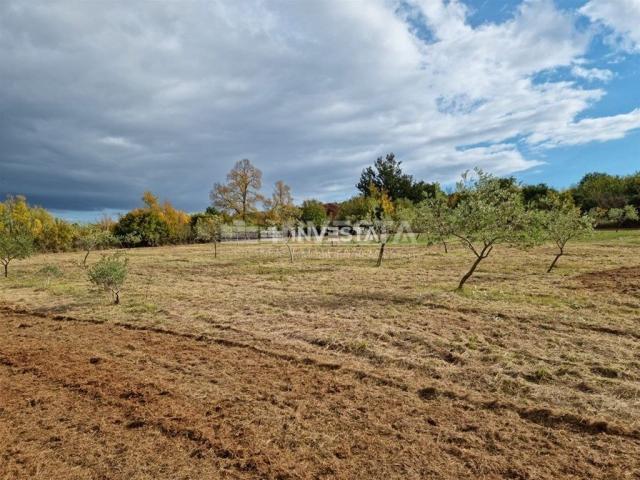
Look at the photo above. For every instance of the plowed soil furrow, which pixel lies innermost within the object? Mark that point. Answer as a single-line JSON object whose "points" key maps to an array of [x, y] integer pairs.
{"points": [[83, 400]]}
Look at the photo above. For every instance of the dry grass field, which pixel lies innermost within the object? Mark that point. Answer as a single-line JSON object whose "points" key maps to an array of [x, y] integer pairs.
{"points": [[249, 366]]}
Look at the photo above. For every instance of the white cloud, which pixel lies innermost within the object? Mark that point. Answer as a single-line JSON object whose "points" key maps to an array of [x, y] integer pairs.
{"points": [[622, 16], [592, 74], [167, 95], [589, 130]]}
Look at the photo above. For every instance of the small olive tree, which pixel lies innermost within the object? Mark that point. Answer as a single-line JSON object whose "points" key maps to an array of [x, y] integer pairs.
{"points": [[92, 238], [433, 218], [16, 237], [489, 212], [110, 273], [208, 228], [385, 218], [561, 223]]}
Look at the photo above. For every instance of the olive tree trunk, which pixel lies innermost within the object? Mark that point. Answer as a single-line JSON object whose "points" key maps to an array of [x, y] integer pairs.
{"points": [[555, 260], [479, 257], [84, 260], [380, 254], [290, 252]]}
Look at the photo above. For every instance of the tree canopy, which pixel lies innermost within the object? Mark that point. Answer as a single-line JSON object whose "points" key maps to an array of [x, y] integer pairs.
{"points": [[386, 175]]}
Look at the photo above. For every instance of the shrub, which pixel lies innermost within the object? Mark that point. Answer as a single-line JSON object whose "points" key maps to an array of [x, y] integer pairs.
{"points": [[313, 212], [110, 273], [144, 228]]}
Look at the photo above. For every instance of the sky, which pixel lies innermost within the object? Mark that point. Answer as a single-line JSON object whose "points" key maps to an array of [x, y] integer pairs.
{"points": [[101, 100]]}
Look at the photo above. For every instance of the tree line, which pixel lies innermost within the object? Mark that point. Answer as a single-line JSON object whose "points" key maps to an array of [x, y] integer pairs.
{"points": [[481, 212]]}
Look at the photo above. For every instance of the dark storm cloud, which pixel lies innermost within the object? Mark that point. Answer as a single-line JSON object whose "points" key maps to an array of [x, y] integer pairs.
{"points": [[100, 101]]}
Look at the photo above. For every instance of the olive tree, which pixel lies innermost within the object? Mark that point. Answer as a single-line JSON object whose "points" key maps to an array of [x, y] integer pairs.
{"points": [[385, 218], [488, 212], [110, 273], [92, 238], [208, 228], [562, 223], [16, 236], [433, 218]]}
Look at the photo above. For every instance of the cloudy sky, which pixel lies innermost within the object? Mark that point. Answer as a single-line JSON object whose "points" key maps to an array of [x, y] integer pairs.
{"points": [[101, 100]]}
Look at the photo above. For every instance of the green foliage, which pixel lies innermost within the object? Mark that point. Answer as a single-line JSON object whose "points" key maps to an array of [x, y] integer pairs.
{"points": [[313, 212], [601, 190], [49, 234], [208, 228], [153, 225], [534, 196], [17, 239], [354, 210], [433, 217], [385, 218], [386, 175], [561, 222], [488, 211], [619, 216], [93, 237], [142, 228], [110, 273]]}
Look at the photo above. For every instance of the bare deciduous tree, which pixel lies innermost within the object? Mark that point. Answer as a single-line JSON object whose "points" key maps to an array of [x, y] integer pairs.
{"points": [[241, 192]]}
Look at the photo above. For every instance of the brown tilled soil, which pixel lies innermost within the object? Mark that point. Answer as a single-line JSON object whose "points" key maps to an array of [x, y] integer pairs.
{"points": [[622, 280], [102, 401]]}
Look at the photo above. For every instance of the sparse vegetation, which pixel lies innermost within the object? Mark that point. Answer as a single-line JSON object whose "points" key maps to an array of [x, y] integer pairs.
{"points": [[110, 273], [49, 272]]}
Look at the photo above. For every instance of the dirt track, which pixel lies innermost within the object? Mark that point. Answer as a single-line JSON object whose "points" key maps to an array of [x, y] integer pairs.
{"points": [[88, 400]]}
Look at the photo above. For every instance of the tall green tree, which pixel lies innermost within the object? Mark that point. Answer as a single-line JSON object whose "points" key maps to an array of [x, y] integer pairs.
{"points": [[386, 175], [600, 190]]}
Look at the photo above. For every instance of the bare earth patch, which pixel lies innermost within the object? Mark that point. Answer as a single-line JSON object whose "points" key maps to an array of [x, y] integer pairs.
{"points": [[624, 280]]}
